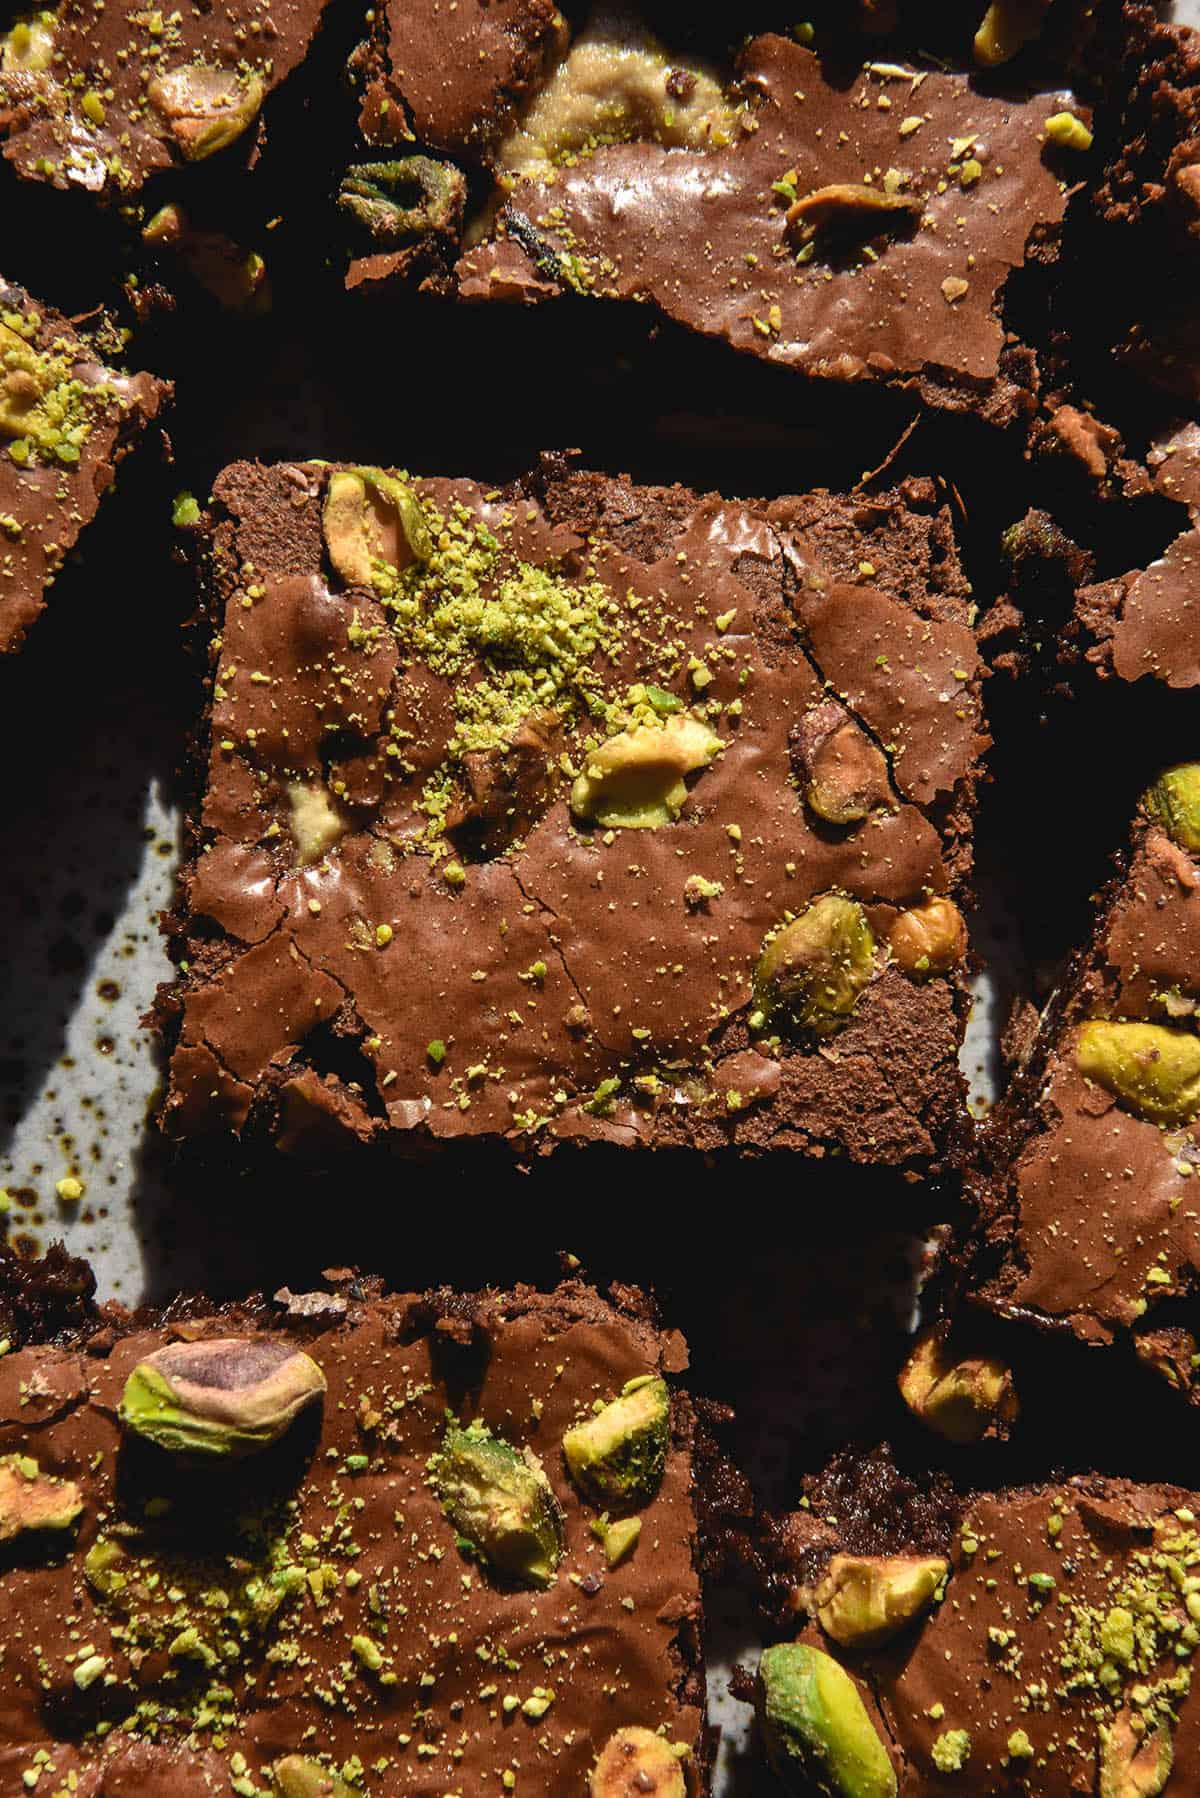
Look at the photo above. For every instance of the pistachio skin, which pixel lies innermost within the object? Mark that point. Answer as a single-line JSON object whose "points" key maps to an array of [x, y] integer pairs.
{"points": [[816, 1727], [635, 1763], [617, 1456], [1132, 1765], [817, 966], [963, 1398], [228, 1396], [501, 1502], [928, 939], [866, 1599], [1153, 1070], [843, 775], [1174, 803]]}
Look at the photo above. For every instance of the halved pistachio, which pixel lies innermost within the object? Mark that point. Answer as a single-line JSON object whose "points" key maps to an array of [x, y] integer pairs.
{"points": [[28, 47], [1153, 1070], [32, 1500], [295, 1776], [844, 775], [206, 108], [964, 1397], [1134, 1763], [864, 1599], [374, 526], [635, 780], [1174, 802], [393, 202], [816, 1727], [501, 1502], [227, 1396], [1006, 28], [817, 966], [617, 1457], [635, 1763], [928, 939]]}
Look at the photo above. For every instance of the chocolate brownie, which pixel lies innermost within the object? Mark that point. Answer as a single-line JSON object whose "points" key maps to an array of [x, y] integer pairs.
{"points": [[1037, 1638], [851, 221], [101, 98], [577, 810], [66, 421], [346, 1543], [1088, 1213]]}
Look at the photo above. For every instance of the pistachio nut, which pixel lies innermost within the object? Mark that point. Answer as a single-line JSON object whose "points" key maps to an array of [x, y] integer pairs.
{"points": [[230, 1395], [1006, 27], [295, 1776], [1174, 802], [28, 47], [635, 780], [816, 1727], [617, 1457], [864, 1599], [394, 202], [843, 775], [506, 788], [1134, 1764], [374, 526], [963, 1398], [32, 1500], [1153, 1070], [817, 966], [205, 108], [850, 205], [928, 939], [314, 820], [501, 1502], [635, 1763]]}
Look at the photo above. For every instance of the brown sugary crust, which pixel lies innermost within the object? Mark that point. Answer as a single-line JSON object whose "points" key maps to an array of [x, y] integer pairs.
{"points": [[997, 1684], [382, 1587], [46, 503], [279, 1026]]}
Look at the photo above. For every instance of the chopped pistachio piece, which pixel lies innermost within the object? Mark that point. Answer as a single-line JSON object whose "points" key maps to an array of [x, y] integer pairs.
{"points": [[295, 1776], [1134, 1763], [501, 1502], [851, 202], [395, 202], [864, 1599], [28, 48], [1174, 802], [636, 1763], [635, 780], [1153, 1070], [206, 108], [32, 1500], [227, 1396], [817, 966], [961, 1398], [1007, 26], [374, 526], [617, 1457]]}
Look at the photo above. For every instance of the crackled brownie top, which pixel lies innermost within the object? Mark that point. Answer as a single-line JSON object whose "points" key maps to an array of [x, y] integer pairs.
{"points": [[351, 1534], [101, 97], [1093, 1222], [846, 225], [578, 809], [1043, 1645], [66, 420]]}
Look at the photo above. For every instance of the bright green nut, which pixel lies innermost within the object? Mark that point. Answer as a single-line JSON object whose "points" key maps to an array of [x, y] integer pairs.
{"points": [[962, 1397], [295, 1776], [635, 1763], [374, 527], [816, 1727], [1068, 132], [816, 966], [635, 780], [1134, 1765], [1174, 802], [32, 1500], [617, 1457], [395, 202], [865, 1599], [232, 1396], [1151, 1069], [501, 1502], [205, 108]]}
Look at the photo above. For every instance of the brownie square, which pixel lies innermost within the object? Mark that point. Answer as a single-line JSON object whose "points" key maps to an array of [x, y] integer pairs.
{"points": [[66, 421], [577, 810], [334, 1545], [1035, 1638], [1087, 1179]]}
